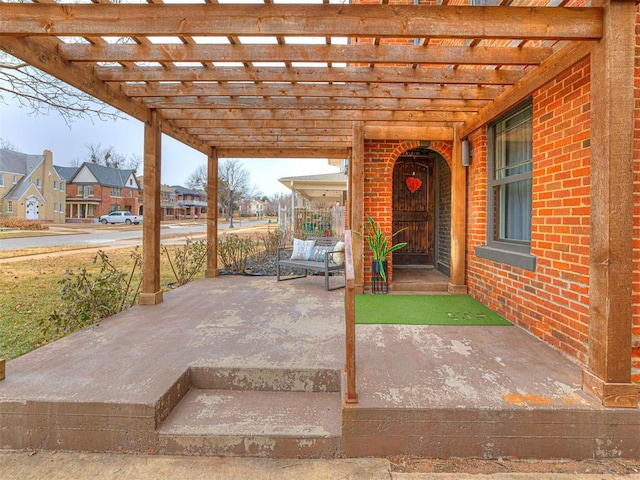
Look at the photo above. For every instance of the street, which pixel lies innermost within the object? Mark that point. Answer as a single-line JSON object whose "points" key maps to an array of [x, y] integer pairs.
{"points": [[120, 235]]}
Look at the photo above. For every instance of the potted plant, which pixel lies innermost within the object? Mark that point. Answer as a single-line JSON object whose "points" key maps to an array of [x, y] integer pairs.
{"points": [[381, 246]]}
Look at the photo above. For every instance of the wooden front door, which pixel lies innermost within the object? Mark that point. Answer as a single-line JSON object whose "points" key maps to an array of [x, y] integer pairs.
{"points": [[413, 209]]}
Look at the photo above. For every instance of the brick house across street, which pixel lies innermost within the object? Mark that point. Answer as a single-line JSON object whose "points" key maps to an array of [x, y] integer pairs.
{"points": [[30, 187], [94, 190]]}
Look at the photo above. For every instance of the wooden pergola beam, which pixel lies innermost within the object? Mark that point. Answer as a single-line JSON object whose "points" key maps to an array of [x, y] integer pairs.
{"points": [[248, 151], [406, 75], [398, 21], [388, 90], [388, 132], [313, 103], [407, 54], [316, 114]]}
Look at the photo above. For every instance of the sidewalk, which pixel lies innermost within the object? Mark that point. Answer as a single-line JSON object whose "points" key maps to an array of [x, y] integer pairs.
{"points": [[80, 466]]}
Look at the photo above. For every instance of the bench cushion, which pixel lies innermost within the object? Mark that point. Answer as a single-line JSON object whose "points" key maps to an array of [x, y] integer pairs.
{"points": [[318, 252], [302, 249]]}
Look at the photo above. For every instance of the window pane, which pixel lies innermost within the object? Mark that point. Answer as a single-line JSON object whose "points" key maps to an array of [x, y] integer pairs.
{"points": [[514, 144], [514, 211]]}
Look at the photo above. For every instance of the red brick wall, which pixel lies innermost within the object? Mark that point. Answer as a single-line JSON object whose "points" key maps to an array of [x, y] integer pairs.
{"points": [[552, 301], [635, 359], [379, 160]]}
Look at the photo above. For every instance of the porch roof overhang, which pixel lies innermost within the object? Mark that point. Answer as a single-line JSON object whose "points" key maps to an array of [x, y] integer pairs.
{"points": [[326, 187], [289, 80]]}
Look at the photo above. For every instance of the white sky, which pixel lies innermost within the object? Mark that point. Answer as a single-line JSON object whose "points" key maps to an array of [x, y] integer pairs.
{"points": [[33, 134]]}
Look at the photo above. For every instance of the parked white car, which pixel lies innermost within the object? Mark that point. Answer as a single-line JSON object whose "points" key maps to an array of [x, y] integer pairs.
{"points": [[121, 217]]}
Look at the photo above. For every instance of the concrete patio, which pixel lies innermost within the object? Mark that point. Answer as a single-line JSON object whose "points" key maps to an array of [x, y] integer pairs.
{"points": [[247, 366]]}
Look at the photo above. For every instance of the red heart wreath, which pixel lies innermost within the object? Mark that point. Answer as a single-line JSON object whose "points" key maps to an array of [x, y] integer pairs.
{"points": [[413, 184]]}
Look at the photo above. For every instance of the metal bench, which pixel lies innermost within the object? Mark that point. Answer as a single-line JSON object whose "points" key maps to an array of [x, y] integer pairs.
{"points": [[327, 266]]}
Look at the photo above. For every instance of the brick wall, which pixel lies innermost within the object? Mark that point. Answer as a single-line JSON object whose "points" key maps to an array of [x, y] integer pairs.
{"points": [[443, 210], [552, 301], [379, 160]]}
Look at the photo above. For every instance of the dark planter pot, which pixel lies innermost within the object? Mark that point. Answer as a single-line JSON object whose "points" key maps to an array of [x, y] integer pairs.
{"points": [[380, 283]]}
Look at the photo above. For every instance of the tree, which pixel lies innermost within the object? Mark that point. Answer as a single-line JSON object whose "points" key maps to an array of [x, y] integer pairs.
{"points": [[197, 180], [233, 184], [109, 157], [7, 144], [43, 94], [234, 179]]}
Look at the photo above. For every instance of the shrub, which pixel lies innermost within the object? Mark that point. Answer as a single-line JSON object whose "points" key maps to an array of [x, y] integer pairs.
{"points": [[88, 298], [15, 223], [187, 260], [233, 252], [268, 242]]}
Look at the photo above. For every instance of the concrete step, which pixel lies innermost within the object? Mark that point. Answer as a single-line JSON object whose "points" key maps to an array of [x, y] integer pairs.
{"points": [[265, 379], [253, 423], [419, 288]]}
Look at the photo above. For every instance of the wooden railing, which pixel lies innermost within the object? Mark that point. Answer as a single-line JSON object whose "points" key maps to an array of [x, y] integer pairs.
{"points": [[350, 319]]}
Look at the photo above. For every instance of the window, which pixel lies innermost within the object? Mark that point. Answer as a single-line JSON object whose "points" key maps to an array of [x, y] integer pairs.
{"points": [[9, 206], [1, 179], [510, 150], [15, 179], [55, 207], [87, 190], [55, 184], [38, 182], [115, 192]]}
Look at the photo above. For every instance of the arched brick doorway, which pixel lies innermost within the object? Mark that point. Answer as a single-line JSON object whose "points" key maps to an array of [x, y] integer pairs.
{"points": [[422, 206]]}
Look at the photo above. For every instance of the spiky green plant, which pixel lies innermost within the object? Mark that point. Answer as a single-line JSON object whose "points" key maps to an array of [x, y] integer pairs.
{"points": [[379, 243]]}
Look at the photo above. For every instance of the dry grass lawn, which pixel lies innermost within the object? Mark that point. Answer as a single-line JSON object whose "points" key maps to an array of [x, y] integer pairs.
{"points": [[30, 292]]}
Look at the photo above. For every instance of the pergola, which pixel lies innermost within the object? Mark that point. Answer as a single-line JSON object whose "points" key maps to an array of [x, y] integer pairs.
{"points": [[270, 79]]}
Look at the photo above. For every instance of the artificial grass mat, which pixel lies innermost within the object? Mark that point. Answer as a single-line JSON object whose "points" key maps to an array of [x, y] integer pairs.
{"points": [[424, 310]]}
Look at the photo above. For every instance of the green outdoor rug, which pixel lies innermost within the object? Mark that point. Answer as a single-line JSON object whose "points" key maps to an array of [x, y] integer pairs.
{"points": [[424, 310]]}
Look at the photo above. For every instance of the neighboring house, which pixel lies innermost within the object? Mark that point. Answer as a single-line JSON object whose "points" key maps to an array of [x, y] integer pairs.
{"points": [[255, 208], [94, 190], [170, 207], [193, 202], [30, 187]]}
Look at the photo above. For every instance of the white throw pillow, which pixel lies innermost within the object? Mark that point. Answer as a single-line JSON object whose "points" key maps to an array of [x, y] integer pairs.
{"points": [[302, 249], [338, 257]]}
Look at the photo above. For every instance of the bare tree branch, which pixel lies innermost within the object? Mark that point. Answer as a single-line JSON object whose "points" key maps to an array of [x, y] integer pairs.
{"points": [[43, 94]]}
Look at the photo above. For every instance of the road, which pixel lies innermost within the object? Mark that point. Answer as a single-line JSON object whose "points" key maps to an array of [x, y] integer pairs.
{"points": [[120, 235]]}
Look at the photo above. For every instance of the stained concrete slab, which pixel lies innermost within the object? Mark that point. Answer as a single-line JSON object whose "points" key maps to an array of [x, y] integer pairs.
{"points": [[426, 391]]}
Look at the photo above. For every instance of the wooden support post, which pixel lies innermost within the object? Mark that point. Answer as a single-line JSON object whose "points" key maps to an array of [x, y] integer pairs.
{"points": [[457, 284], [608, 374], [151, 293], [356, 171], [212, 214], [350, 320]]}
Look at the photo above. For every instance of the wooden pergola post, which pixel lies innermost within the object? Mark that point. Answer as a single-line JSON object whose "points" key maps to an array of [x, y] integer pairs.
{"points": [[356, 172], [457, 284], [608, 374], [151, 293], [212, 214]]}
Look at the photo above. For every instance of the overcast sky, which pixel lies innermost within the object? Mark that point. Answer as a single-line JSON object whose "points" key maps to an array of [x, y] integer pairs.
{"points": [[33, 134]]}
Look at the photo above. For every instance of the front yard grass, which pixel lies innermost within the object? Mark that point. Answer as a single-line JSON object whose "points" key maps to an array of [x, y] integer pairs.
{"points": [[30, 293]]}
